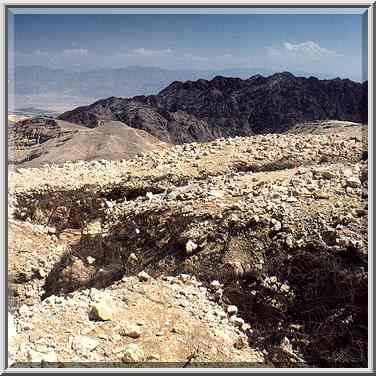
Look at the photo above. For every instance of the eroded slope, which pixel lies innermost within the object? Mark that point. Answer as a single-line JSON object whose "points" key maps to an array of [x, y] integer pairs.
{"points": [[38, 141]]}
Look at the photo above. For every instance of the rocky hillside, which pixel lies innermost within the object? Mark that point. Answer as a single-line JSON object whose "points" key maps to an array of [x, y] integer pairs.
{"points": [[204, 110], [40, 140], [247, 251]]}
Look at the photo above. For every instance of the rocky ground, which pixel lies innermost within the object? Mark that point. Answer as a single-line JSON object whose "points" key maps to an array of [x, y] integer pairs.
{"points": [[244, 251]]}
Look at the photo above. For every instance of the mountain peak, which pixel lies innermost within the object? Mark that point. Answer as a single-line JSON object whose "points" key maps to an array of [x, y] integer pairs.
{"points": [[283, 75], [203, 110]]}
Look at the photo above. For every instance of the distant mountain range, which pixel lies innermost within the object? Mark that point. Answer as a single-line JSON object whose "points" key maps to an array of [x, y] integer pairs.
{"points": [[204, 110], [32, 111], [57, 84]]}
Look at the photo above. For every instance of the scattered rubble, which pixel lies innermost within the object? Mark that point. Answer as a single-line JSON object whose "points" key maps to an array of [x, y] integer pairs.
{"points": [[228, 250]]}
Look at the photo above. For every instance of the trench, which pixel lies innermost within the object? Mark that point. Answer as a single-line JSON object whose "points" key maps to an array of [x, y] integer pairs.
{"points": [[324, 321]]}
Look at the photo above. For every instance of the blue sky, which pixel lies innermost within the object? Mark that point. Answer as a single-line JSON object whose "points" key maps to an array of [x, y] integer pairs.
{"points": [[320, 43]]}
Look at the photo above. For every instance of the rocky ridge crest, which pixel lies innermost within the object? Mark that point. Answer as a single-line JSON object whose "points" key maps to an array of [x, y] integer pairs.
{"points": [[203, 110]]}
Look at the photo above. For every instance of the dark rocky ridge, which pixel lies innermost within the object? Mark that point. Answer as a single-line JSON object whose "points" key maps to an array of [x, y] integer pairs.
{"points": [[204, 110]]}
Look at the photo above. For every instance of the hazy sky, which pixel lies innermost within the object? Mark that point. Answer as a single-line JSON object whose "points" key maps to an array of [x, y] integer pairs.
{"points": [[312, 43]]}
